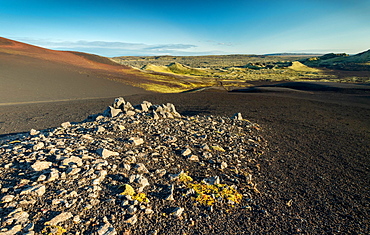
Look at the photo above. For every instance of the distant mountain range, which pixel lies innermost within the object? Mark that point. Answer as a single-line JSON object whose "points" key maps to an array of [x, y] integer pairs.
{"points": [[342, 61], [294, 54]]}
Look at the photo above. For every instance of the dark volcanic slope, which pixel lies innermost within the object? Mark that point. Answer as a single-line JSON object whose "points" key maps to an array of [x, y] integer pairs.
{"points": [[318, 157], [30, 73]]}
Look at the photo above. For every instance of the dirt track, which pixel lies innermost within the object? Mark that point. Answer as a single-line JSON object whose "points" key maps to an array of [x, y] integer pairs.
{"points": [[319, 152]]}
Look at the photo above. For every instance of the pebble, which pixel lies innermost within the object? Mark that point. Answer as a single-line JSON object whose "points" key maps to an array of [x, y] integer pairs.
{"points": [[59, 218], [41, 165]]}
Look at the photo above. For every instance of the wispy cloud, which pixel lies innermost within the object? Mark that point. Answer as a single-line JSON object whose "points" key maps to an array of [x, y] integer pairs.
{"points": [[113, 48], [220, 43]]}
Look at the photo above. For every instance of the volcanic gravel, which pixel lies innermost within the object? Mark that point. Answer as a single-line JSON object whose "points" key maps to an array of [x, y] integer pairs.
{"points": [[310, 171]]}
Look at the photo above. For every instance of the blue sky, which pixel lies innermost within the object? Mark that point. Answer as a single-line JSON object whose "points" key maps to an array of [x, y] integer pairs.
{"points": [[201, 27]]}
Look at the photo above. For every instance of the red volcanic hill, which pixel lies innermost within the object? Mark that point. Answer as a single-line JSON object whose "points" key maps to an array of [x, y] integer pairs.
{"points": [[30, 73]]}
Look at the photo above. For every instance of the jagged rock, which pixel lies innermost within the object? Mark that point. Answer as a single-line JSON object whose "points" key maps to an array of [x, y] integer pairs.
{"points": [[136, 141], [38, 146], [17, 216], [170, 197], [53, 175], [207, 155], [105, 153], [37, 190], [112, 112], [65, 125], [102, 175], [155, 115], [160, 172], [131, 220], [237, 116], [7, 198], [212, 180], [106, 229], [140, 180], [186, 152], [100, 129], [59, 218], [130, 113], [131, 209], [34, 132], [14, 230], [29, 227], [177, 211], [119, 103], [73, 160], [41, 165], [140, 167], [193, 158], [73, 171]]}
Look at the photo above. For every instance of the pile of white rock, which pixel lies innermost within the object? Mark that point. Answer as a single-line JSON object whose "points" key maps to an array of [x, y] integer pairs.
{"points": [[105, 174]]}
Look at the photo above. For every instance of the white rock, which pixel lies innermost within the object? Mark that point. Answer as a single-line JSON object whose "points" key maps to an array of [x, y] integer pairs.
{"points": [[38, 146], [59, 218], [130, 113], [14, 230], [177, 211], [131, 220], [54, 174], [186, 152], [17, 216], [237, 116], [65, 125], [118, 103], [193, 158], [37, 190], [140, 167], [136, 140], [34, 132], [113, 112], [41, 165], [7, 198], [105, 153], [73, 160]]}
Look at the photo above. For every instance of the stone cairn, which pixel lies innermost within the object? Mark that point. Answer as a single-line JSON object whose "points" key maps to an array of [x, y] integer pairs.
{"points": [[115, 172]]}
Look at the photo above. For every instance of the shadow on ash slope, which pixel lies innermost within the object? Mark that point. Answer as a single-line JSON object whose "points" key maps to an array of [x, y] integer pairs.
{"points": [[141, 169]]}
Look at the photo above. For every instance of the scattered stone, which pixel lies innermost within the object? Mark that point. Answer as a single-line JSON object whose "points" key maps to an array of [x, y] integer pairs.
{"points": [[73, 160], [41, 165], [65, 125], [106, 229], [136, 141], [37, 190], [54, 174], [59, 218], [193, 158], [14, 230], [186, 152], [140, 167], [223, 165], [38, 146], [177, 211], [237, 116], [105, 153], [131, 220], [115, 165], [17, 216], [7, 198], [34, 132]]}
